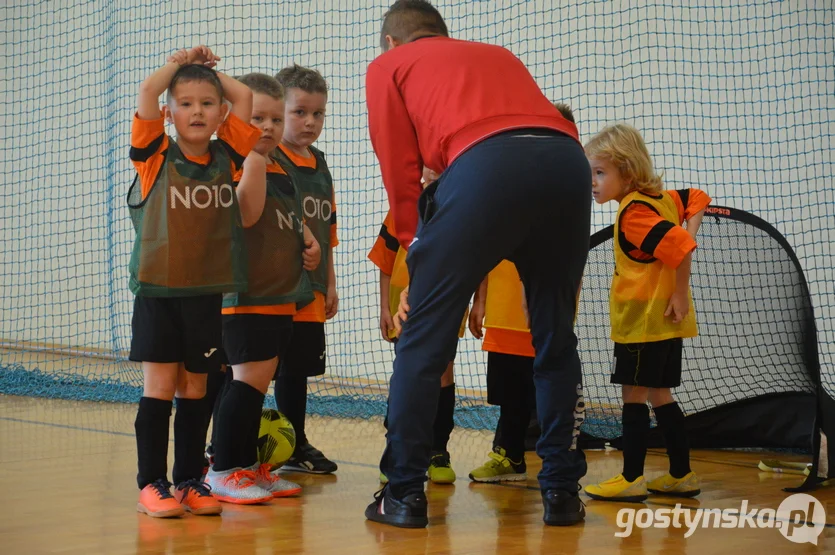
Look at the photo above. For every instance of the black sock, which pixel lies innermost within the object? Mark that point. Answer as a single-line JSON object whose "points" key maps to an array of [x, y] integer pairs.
{"points": [[214, 383], [190, 427], [222, 385], [444, 423], [516, 404], [635, 431], [249, 455], [671, 423], [151, 427], [233, 424], [513, 425], [291, 399]]}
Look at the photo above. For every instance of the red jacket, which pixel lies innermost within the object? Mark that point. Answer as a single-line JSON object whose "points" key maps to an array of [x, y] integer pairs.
{"points": [[431, 99]]}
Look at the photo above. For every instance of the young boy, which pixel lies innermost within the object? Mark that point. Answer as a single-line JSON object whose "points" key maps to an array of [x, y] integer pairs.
{"points": [[510, 355], [188, 251], [651, 307], [390, 258], [306, 100], [498, 307], [256, 323]]}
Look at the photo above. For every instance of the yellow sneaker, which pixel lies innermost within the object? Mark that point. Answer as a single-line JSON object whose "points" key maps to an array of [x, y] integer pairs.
{"points": [[619, 489], [499, 468], [689, 486], [440, 469]]}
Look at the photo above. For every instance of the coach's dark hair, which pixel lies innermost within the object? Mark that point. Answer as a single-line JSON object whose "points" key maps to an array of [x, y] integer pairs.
{"points": [[195, 72], [407, 19], [565, 110], [262, 83], [307, 79]]}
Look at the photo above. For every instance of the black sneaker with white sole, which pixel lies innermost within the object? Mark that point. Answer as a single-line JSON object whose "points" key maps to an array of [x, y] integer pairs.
{"points": [[562, 508], [409, 512], [308, 459]]}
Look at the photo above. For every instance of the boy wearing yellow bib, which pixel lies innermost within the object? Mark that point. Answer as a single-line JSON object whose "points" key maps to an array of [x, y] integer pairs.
{"points": [[498, 318], [650, 305]]}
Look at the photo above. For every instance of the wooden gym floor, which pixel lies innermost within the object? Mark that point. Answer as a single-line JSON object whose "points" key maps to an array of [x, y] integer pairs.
{"points": [[67, 474]]}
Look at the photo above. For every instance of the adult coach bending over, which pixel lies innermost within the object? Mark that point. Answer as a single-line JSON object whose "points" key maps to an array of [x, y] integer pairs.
{"points": [[516, 185]]}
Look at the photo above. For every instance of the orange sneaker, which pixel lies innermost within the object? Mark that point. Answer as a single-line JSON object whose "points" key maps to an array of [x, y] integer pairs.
{"points": [[156, 500], [196, 497], [273, 483]]}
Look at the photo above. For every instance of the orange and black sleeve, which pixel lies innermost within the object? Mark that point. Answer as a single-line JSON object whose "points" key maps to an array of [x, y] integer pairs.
{"points": [[148, 144], [655, 236], [238, 138], [690, 202], [385, 247]]}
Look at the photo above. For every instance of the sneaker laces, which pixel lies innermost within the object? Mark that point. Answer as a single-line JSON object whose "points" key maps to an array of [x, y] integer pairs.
{"points": [[162, 487], [202, 489], [379, 494], [242, 478], [264, 473]]}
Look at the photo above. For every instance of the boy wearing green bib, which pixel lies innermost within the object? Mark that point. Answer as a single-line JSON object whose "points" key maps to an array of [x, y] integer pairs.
{"points": [[258, 323], [307, 97], [189, 250]]}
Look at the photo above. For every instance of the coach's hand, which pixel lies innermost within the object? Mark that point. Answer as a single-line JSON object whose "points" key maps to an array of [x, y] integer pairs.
{"points": [[402, 311]]}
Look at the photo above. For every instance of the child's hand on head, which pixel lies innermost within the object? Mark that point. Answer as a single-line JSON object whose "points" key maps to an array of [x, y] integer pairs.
{"points": [[180, 57], [202, 55]]}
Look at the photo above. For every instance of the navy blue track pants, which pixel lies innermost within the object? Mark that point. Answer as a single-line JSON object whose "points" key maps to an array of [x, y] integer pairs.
{"points": [[524, 196]]}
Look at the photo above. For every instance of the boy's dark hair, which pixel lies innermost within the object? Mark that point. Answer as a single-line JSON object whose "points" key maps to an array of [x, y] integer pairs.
{"points": [[406, 18], [565, 110], [261, 83], [195, 72], [307, 79]]}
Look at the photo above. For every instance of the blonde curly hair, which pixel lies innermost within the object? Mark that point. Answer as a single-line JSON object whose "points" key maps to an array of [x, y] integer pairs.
{"points": [[623, 145]]}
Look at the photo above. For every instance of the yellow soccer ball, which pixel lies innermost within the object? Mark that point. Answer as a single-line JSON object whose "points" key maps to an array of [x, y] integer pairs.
{"points": [[276, 438]]}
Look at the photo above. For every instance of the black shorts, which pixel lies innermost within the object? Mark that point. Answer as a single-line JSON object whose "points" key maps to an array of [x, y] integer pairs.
{"points": [[656, 364], [254, 337], [177, 329], [305, 354], [508, 377]]}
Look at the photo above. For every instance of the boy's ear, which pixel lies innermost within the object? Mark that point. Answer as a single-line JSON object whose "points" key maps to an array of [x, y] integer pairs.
{"points": [[166, 113], [224, 110]]}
